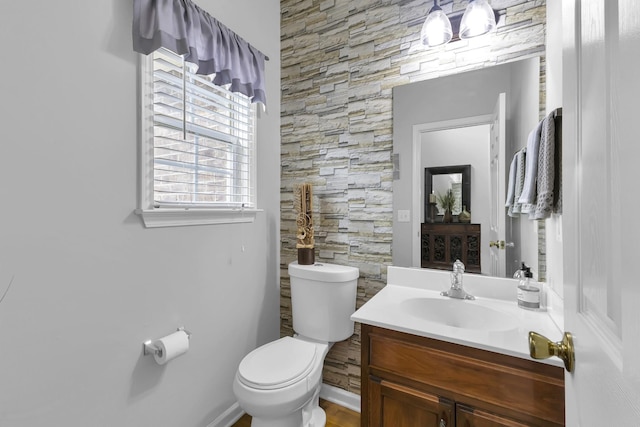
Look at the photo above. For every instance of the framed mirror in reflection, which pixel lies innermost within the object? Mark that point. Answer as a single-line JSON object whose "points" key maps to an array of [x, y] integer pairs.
{"points": [[441, 179]]}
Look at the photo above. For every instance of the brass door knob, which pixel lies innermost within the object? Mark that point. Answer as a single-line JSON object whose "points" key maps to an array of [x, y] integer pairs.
{"points": [[501, 244], [541, 347]]}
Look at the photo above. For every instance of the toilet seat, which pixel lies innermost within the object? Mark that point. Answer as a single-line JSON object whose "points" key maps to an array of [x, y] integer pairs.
{"points": [[278, 364]]}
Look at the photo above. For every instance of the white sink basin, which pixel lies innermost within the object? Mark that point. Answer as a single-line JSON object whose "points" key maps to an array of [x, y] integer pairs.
{"points": [[459, 314], [411, 303]]}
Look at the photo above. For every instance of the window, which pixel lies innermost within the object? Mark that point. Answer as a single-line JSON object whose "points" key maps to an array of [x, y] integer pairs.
{"points": [[198, 147]]}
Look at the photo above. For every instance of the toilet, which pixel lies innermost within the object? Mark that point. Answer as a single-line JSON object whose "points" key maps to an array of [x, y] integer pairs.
{"points": [[278, 384]]}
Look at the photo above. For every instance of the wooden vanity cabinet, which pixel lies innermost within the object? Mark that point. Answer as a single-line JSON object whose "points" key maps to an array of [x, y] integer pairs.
{"points": [[471, 417], [401, 406], [410, 381], [441, 244]]}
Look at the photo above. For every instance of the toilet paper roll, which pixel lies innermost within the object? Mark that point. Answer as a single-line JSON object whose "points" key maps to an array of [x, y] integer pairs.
{"points": [[171, 346]]}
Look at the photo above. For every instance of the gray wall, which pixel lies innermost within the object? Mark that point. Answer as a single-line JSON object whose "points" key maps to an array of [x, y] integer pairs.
{"points": [[522, 91], [90, 283]]}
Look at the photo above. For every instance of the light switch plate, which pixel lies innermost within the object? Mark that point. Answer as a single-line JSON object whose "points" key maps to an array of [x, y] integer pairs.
{"points": [[404, 215]]}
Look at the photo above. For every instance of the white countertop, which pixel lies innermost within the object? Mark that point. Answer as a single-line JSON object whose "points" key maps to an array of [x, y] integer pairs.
{"points": [[387, 309]]}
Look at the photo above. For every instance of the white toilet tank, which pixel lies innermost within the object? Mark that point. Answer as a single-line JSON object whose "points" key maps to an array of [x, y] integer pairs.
{"points": [[323, 298]]}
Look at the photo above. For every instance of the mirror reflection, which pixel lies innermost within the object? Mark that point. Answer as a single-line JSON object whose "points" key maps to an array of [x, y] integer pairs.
{"points": [[449, 121], [439, 182]]}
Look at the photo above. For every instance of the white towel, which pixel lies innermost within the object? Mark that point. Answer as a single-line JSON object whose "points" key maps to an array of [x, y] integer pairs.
{"points": [[520, 169], [512, 181], [528, 196], [517, 168]]}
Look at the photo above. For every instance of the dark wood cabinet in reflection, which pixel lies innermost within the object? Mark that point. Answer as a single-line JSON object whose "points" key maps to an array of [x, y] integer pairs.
{"points": [[442, 244]]}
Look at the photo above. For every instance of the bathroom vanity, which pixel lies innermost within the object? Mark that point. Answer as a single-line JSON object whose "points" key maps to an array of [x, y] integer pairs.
{"points": [[409, 380], [428, 360]]}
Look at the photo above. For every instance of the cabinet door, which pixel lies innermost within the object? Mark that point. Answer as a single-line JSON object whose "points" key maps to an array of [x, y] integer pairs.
{"points": [[425, 249], [442, 244], [469, 417], [400, 406]]}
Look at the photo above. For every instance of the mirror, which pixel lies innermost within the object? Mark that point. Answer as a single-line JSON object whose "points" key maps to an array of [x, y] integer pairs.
{"points": [[439, 180], [432, 122]]}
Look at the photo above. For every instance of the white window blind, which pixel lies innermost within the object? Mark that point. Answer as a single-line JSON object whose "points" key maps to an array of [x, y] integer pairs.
{"points": [[203, 139]]}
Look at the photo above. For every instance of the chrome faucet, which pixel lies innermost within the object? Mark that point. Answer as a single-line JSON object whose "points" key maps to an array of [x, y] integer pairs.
{"points": [[456, 290]]}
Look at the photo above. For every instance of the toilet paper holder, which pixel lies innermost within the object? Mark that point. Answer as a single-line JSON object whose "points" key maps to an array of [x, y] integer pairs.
{"points": [[148, 347]]}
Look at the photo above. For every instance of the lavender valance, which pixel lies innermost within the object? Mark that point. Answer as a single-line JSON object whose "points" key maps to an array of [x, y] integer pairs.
{"points": [[184, 28]]}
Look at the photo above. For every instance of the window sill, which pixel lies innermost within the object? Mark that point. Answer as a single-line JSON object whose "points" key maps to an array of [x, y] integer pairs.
{"points": [[154, 218]]}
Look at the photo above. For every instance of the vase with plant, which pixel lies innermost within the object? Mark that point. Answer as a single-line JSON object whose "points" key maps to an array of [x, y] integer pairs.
{"points": [[446, 202]]}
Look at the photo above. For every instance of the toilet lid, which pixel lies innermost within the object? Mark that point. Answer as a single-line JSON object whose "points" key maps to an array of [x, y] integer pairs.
{"points": [[278, 364]]}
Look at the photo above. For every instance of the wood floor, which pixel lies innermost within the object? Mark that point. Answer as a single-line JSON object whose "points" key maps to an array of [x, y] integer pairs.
{"points": [[337, 416]]}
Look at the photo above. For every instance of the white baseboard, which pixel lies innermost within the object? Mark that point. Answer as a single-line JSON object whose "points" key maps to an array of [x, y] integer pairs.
{"points": [[340, 397], [327, 392], [228, 417]]}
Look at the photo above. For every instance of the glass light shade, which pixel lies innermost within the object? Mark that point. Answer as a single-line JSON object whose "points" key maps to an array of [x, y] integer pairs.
{"points": [[478, 19], [436, 29]]}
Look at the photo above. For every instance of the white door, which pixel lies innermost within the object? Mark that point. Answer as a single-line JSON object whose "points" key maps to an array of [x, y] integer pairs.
{"points": [[497, 139], [601, 193]]}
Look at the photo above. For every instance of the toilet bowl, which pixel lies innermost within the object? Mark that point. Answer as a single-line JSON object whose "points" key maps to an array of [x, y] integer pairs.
{"points": [[278, 384]]}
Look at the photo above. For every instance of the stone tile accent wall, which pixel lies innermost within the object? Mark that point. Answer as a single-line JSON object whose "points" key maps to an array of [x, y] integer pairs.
{"points": [[340, 61]]}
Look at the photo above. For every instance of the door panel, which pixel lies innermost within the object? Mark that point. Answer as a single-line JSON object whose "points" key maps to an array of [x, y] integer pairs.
{"points": [[498, 185], [600, 152]]}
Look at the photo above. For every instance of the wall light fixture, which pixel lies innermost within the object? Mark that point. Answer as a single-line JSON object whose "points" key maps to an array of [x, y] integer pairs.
{"points": [[438, 29]]}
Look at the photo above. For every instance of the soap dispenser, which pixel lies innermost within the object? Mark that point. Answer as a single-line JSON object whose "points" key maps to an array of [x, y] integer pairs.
{"points": [[519, 274], [529, 294]]}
